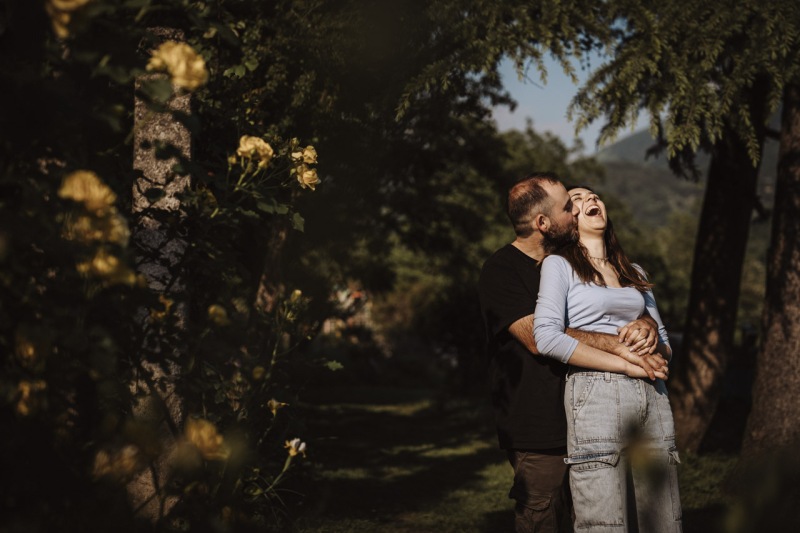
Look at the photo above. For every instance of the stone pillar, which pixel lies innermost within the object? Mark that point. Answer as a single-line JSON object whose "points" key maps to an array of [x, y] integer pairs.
{"points": [[160, 247]]}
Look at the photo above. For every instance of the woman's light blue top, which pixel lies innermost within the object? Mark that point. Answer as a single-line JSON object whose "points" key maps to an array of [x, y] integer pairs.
{"points": [[566, 302]]}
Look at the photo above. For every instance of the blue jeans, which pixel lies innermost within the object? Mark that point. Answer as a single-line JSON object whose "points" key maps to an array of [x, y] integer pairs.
{"points": [[622, 455]]}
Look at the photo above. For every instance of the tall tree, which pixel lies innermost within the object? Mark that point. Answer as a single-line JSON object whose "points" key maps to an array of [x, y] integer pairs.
{"points": [[775, 408], [709, 74]]}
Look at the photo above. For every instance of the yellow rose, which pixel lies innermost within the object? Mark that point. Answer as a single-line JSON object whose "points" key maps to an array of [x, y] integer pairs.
{"points": [[112, 228], [115, 230], [203, 435], [109, 267], [60, 12], [67, 5], [32, 344], [186, 68], [307, 155], [119, 465], [258, 373], [161, 314], [296, 296], [274, 405], [255, 148], [29, 396], [307, 177], [84, 186], [218, 315]]}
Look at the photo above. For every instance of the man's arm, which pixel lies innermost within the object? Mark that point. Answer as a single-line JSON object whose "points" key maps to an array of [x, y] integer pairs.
{"points": [[650, 363], [603, 348]]}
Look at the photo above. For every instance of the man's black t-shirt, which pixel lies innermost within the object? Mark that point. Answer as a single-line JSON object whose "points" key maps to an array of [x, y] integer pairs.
{"points": [[527, 390]]}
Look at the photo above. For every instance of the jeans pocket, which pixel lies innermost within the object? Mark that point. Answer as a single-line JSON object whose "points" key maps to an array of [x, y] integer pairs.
{"points": [[597, 416], [598, 491], [581, 386], [665, 417]]}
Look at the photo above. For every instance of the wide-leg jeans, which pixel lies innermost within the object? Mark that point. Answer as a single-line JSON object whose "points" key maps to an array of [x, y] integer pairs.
{"points": [[622, 455]]}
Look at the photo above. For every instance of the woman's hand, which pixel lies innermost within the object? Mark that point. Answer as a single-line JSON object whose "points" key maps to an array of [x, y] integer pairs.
{"points": [[633, 370], [640, 336], [647, 365]]}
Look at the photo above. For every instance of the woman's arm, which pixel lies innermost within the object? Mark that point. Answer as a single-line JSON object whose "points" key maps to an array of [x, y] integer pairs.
{"points": [[551, 310]]}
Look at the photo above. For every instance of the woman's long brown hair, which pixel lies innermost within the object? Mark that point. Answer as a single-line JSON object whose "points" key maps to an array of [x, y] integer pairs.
{"points": [[578, 256]]}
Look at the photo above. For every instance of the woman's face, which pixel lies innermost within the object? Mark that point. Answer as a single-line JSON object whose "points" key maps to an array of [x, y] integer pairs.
{"points": [[592, 218]]}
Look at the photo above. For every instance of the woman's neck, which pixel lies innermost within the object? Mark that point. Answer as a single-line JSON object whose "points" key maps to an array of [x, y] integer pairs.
{"points": [[595, 246]]}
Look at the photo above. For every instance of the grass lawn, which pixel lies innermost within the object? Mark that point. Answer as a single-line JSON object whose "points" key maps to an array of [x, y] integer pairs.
{"points": [[404, 460]]}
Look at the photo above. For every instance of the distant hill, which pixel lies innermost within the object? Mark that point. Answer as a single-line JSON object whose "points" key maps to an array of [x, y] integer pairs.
{"points": [[651, 191]]}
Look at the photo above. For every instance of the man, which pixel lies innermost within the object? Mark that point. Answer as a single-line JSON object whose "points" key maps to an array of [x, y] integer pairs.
{"points": [[527, 389]]}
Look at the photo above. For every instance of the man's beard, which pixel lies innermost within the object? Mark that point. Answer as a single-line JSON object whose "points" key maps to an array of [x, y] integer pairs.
{"points": [[559, 237]]}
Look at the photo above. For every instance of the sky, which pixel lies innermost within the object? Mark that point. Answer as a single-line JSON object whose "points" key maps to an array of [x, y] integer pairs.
{"points": [[546, 104]]}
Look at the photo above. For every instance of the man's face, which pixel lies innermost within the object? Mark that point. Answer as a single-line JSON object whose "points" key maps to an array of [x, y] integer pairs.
{"points": [[563, 219]]}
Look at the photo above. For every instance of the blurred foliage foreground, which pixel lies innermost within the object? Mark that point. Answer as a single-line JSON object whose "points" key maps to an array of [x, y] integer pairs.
{"points": [[125, 388], [147, 316]]}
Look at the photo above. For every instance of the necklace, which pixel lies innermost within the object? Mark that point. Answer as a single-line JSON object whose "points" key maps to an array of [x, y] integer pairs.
{"points": [[601, 259]]}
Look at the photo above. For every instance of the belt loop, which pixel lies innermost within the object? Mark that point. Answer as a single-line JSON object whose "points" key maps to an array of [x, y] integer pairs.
{"points": [[608, 377]]}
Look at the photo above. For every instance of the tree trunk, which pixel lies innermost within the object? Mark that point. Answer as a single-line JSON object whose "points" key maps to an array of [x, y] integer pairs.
{"points": [[776, 402], [730, 198]]}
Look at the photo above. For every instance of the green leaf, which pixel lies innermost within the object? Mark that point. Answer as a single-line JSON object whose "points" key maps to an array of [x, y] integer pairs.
{"points": [[157, 90], [191, 122], [267, 208], [236, 71], [298, 222], [251, 64], [249, 213], [333, 365]]}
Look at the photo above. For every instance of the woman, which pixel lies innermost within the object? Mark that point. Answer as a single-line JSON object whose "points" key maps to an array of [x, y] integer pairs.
{"points": [[615, 423]]}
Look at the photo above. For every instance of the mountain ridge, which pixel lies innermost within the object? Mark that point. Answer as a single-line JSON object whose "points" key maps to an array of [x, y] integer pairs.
{"points": [[651, 191]]}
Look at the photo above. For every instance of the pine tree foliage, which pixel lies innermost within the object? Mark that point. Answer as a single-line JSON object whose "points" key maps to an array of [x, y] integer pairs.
{"points": [[692, 66]]}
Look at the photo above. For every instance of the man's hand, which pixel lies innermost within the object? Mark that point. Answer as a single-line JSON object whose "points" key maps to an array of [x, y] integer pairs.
{"points": [[653, 366], [640, 336]]}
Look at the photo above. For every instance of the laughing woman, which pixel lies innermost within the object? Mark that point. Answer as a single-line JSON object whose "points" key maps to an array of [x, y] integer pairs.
{"points": [[616, 424]]}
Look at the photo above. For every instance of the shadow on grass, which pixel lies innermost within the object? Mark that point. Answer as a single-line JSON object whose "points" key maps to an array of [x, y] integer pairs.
{"points": [[412, 460], [406, 460]]}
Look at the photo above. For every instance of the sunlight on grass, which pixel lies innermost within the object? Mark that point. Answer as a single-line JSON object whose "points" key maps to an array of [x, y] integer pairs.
{"points": [[455, 451], [428, 464]]}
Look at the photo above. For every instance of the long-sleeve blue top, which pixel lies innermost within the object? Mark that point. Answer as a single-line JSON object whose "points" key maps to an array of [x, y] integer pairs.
{"points": [[565, 301]]}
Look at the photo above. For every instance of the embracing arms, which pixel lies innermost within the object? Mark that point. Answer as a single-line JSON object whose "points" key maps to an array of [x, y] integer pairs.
{"points": [[589, 350], [605, 352]]}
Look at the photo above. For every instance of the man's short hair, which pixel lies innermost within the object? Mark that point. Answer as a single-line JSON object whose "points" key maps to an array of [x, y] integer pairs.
{"points": [[527, 198]]}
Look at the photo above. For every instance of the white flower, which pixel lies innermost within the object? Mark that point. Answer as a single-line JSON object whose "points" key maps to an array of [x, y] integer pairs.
{"points": [[295, 446]]}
